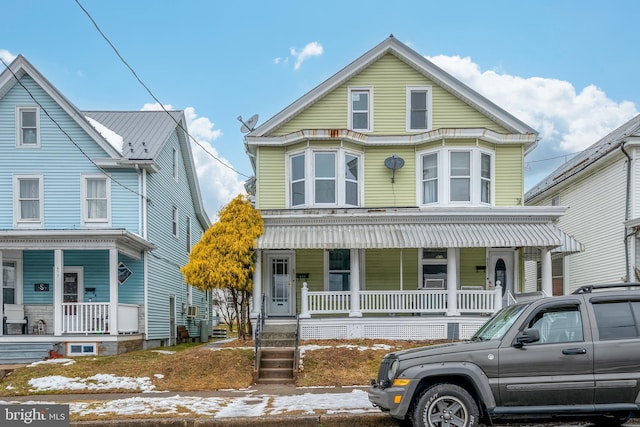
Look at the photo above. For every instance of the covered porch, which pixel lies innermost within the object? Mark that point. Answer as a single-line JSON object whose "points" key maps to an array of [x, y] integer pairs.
{"points": [[73, 283], [460, 265]]}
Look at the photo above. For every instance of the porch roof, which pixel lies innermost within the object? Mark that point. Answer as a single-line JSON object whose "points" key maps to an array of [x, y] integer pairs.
{"points": [[416, 235]]}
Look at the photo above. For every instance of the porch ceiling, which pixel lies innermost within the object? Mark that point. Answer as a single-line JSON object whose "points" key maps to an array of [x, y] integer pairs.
{"points": [[433, 235]]}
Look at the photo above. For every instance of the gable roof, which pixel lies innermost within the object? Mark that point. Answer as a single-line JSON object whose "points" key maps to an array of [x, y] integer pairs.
{"points": [[587, 157], [21, 67], [413, 59], [145, 133]]}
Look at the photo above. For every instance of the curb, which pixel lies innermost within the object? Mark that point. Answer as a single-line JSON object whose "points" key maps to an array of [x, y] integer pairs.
{"points": [[323, 420]]}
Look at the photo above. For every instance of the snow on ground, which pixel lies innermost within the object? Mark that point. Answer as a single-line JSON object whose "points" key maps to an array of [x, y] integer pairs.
{"points": [[245, 404]]}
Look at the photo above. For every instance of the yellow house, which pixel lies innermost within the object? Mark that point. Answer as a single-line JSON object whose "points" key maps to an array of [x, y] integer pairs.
{"points": [[392, 196]]}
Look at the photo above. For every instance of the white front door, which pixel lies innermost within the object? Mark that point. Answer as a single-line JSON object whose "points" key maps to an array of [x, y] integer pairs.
{"points": [[73, 287], [500, 271], [280, 291]]}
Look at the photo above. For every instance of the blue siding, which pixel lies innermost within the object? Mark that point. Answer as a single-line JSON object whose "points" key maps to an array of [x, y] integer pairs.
{"points": [[165, 277], [38, 268]]}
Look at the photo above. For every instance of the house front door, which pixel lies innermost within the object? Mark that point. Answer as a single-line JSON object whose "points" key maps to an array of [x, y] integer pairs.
{"points": [[500, 272], [280, 292]]}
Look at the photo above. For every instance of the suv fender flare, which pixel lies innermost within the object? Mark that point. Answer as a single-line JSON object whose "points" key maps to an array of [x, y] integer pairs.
{"points": [[456, 369]]}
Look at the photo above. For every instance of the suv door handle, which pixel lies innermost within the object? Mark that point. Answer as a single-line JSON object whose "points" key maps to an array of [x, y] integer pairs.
{"points": [[574, 351]]}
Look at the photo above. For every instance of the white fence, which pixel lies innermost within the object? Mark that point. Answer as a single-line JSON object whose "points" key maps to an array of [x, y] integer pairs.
{"points": [[415, 301], [93, 318]]}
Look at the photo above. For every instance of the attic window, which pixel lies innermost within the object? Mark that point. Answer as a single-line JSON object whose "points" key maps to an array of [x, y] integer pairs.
{"points": [[360, 109], [418, 108], [28, 127]]}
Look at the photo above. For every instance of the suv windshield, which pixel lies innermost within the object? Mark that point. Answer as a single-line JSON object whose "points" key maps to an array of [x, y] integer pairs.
{"points": [[499, 324]]}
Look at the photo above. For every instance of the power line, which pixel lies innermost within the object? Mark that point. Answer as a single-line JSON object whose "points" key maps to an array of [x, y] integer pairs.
{"points": [[145, 198], [95, 24]]}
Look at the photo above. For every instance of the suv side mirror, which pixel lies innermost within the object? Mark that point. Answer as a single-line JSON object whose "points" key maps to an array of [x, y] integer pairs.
{"points": [[527, 336]]}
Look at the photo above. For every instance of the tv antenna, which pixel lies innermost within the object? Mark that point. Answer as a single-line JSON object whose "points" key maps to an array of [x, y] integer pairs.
{"points": [[249, 125]]}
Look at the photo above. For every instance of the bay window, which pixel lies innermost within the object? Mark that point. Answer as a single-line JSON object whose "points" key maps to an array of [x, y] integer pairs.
{"points": [[324, 178], [456, 176]]}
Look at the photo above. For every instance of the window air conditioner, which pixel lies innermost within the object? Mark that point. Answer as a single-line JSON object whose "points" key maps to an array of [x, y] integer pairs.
{"points": [[433, 284], [193, 311]]}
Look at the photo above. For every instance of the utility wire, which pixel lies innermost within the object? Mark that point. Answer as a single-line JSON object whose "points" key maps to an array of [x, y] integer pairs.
{"points": [[95, 24], [146, 199]]}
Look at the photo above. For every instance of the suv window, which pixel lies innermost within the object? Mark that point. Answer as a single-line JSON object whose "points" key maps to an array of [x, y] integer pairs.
{"points": [[558, 324], [618, 319]]}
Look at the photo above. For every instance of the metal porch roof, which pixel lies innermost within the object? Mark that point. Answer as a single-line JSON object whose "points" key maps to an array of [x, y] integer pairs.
{"points": [[438, 235]]}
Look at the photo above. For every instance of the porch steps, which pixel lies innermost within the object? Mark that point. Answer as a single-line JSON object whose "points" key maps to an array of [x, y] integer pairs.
{"points": [[277, 354], [24, 352]]}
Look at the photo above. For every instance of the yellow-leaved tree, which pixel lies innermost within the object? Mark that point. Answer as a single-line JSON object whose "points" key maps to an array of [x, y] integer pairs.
{"points": [[224, 257]]}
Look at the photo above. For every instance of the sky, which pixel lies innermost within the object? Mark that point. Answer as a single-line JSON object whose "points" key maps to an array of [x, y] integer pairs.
{"points": [[566, 68], [240, 403]]}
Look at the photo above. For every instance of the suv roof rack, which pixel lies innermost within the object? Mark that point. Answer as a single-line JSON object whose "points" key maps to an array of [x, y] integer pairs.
{"points": [[587, 289]]}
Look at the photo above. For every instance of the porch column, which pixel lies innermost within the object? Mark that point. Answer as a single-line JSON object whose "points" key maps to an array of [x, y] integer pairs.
{"points": [[355, 284], [113, 291], [545, 271], [58, 268], [257, 286], [452, 282]]}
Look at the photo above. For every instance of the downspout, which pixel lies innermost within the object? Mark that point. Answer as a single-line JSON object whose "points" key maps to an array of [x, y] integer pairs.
{"points": [[626, 215]]}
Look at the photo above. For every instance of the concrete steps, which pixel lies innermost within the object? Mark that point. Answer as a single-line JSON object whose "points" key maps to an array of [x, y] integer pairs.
{"points": [[23, 353], [277, 355]]}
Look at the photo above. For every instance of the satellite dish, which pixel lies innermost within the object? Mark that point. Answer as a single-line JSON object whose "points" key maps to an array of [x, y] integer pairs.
{"points": [[249, 125], [394, 163]]}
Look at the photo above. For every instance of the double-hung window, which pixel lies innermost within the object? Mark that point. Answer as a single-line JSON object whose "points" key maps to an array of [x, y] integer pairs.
{"points": [[174, 221], [9, 277], [96, 196], [434, 269], [324, 178], [339, 271], [360, 109], [418, 108], [28, 127], [456, 176], [28, 200]]}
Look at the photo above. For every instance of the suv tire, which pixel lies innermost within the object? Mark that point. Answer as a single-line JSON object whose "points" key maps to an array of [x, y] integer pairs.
{"points": [[446, 405]]}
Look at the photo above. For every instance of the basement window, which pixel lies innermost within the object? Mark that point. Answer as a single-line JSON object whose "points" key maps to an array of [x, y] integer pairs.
{"points": [[82, 349]]}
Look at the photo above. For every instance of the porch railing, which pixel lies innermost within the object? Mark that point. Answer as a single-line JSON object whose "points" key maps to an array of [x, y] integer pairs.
{"points": [[414, 301], [93, 318]]}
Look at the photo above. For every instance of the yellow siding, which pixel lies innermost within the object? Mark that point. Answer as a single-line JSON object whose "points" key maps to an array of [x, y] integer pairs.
{"points": [[383, 269], [271, 184], [389, 78], [309, 261], [378, 189], [509, 176], [470, 258]]}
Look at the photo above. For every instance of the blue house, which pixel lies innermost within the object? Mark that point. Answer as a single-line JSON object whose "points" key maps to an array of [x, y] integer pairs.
{"points": [[98, 211]]}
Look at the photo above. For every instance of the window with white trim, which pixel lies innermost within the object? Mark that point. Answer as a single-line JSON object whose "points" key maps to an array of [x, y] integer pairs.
{"points": [[433, 263], [96, 200], [188, 236], [28, 126], [28, 200], [324, 178], [174, 165], [174, 221], [339, 270], [456, 176], [418, 108], [361, 109], [81, 349]]}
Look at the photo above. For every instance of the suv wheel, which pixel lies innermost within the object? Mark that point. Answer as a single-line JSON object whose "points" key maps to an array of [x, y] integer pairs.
{"points": [[445, 405]]}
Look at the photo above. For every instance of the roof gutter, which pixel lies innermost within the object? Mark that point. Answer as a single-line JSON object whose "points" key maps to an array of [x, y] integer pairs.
{"points": [[626, 214]]}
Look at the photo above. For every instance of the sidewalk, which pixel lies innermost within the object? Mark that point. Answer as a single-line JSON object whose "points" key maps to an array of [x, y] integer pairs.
{"points": [[259, 405]]}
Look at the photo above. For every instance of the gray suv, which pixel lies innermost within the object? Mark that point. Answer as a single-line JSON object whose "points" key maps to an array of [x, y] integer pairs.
{"points": [[569, 357]]}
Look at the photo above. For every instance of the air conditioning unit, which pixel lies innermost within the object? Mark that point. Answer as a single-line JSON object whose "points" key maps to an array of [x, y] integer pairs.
{"points": [[193, 311], [433, 284]]}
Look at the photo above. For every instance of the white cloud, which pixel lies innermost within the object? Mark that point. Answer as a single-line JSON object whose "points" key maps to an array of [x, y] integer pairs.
{"points": [[7, 56], [311, 49], [218, 183], [567, 120]]}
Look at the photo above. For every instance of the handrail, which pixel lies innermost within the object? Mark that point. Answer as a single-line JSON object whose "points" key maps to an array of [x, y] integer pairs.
{"points": [[260, 325], [296, 356]]}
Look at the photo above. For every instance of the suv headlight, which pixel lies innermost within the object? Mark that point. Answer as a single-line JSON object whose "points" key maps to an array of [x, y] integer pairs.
{"points": [[393, 370]]}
